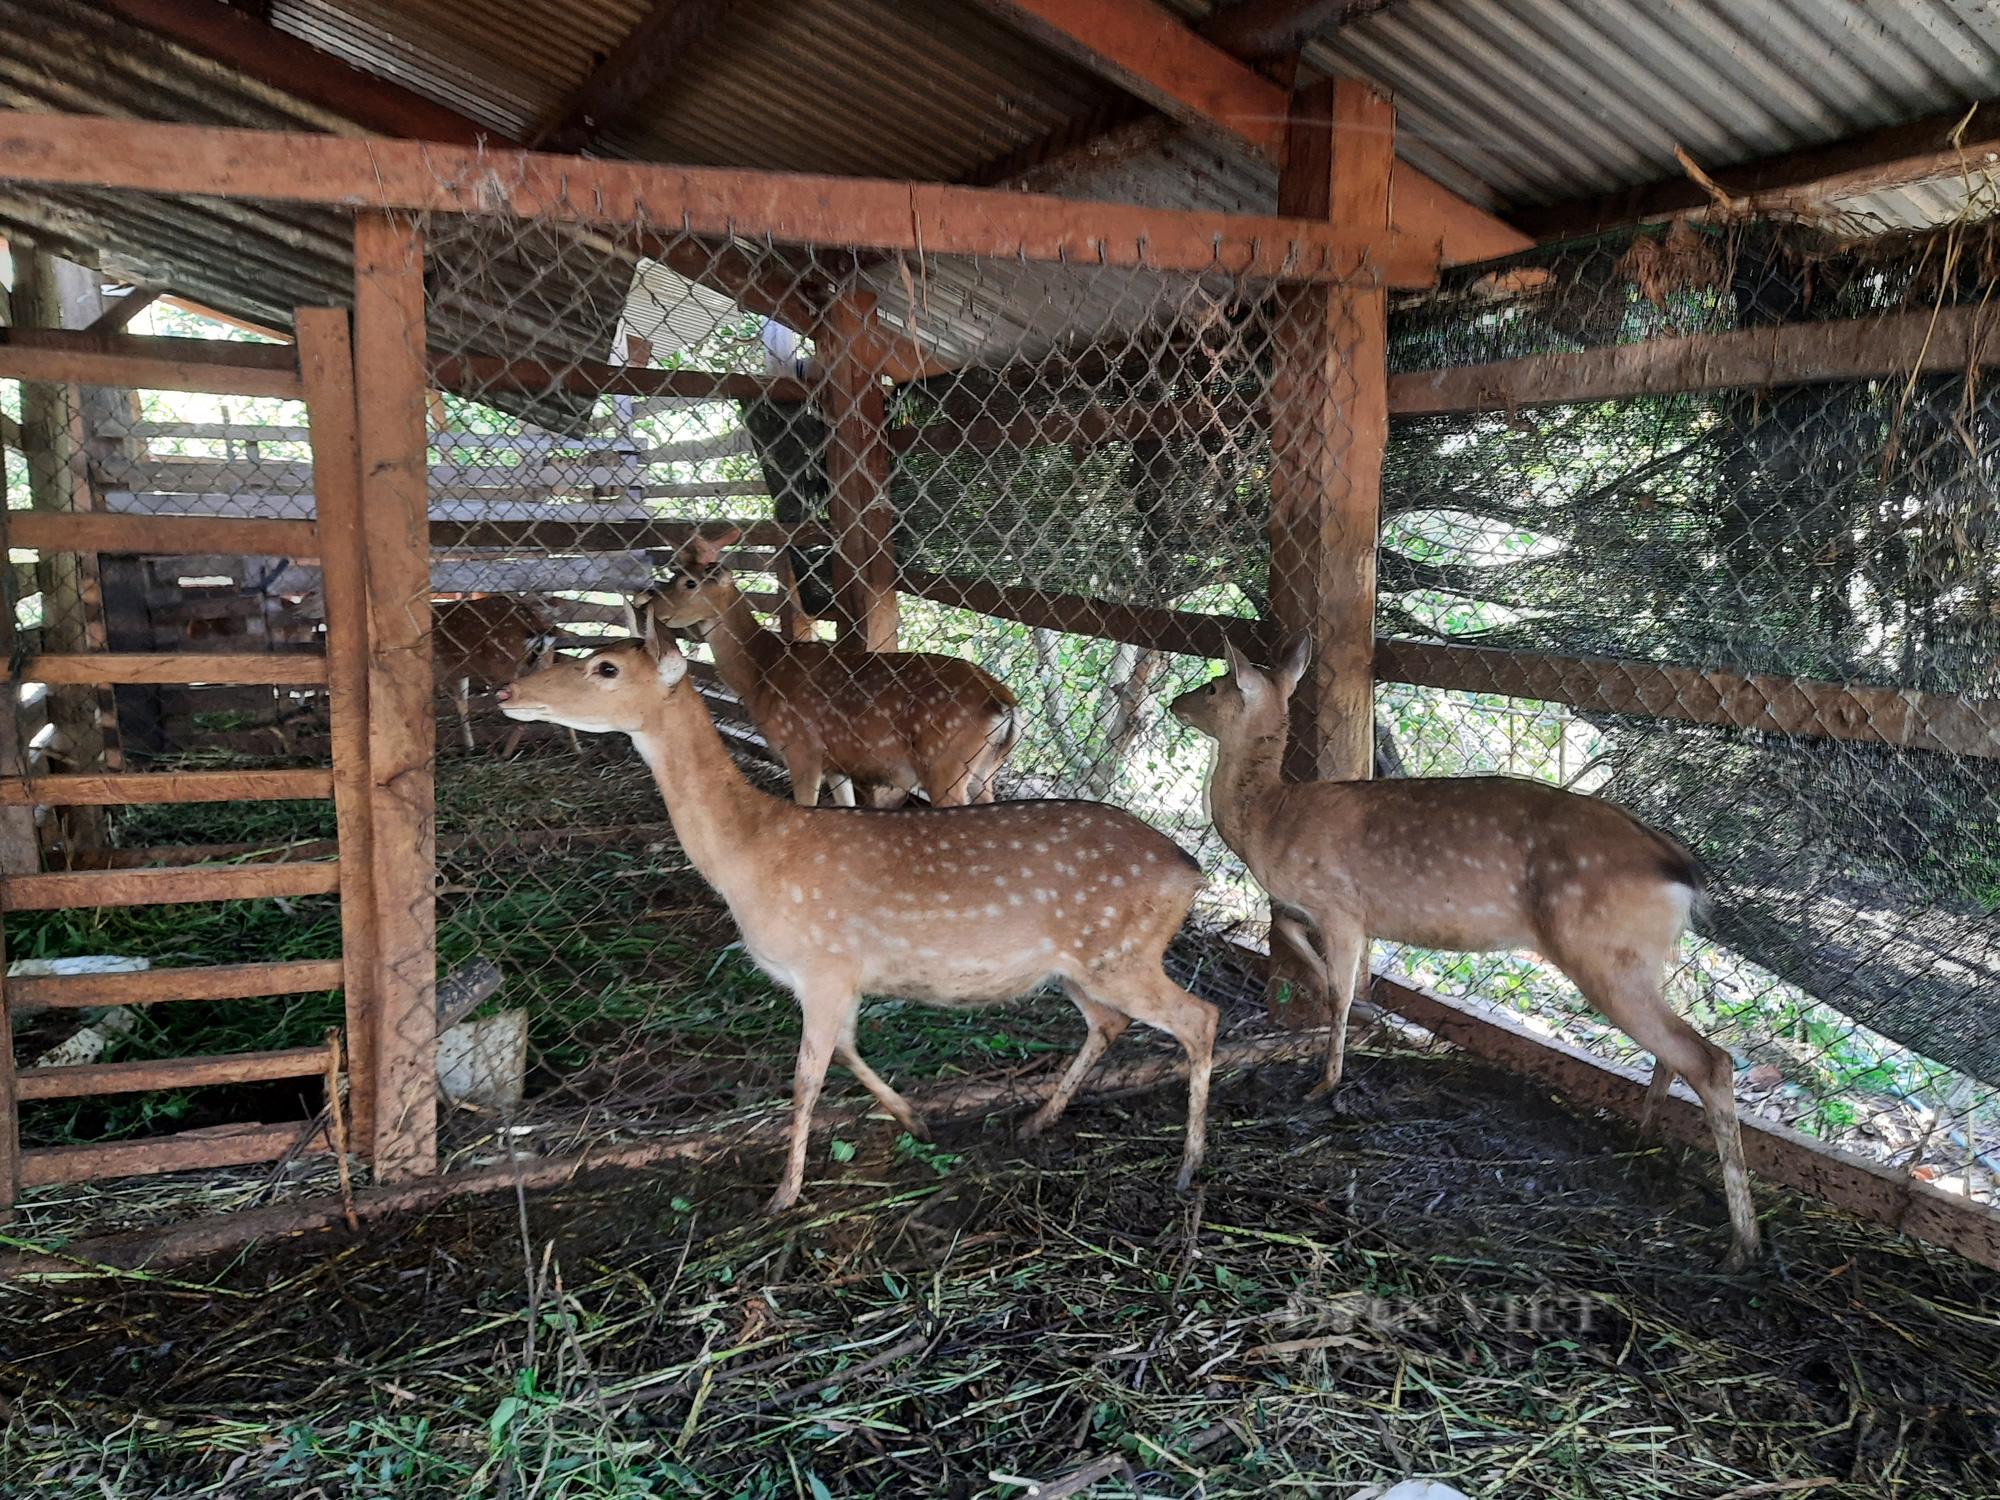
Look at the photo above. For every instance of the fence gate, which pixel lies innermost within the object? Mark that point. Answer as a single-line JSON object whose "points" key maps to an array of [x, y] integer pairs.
{"points": [[38, 876]]}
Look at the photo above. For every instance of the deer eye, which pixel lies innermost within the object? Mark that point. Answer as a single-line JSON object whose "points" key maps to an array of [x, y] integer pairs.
{"points": [[606, 669], [687, 583]]}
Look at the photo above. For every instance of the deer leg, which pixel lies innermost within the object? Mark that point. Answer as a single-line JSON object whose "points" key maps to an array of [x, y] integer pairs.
{"points": [[1157, 1001], [806, 768], [872, 1081], [1346, 952], [826, 1013], [1103, 1026], [461, 697], [948, 786], [1632, 999], [842, 788], [1663, 1080]]}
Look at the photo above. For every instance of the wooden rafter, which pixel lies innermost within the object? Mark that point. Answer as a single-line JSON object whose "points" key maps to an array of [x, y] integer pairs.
{"points": [[1147, 51], [657, 45], [1939, 145]]}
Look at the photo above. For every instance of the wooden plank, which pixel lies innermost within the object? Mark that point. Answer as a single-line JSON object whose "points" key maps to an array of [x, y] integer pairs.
{"points": [[1181, 631], [124, 309], [1894, 156], [616, 536], [1329, 426], [188, 1151], [479, 375], [91, 1080], [1148, 51], [112, 531], [167, 986], [1950, 340], [173, 667], [132, 789], [1879, 1194], [857, 476], [79, 888], [792, 208], [402, 733], [326, 360], [1765, 703], [138, 362]]}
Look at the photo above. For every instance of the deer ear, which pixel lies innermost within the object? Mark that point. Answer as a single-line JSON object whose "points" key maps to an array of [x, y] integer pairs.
{"points": [[1293, 667], [1250, 682], [667, 660], [700, 554], [640, 622], [727, 538]]}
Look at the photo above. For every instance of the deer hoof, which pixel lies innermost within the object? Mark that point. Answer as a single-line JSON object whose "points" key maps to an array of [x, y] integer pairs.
{"points": [[1031, 1127], [1323, 1089], [1736, 1262], [917, 1128], [781, 1200]]}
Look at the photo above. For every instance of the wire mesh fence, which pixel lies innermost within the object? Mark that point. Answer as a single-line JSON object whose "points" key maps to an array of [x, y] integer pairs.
{"points": [[1055, 483]]}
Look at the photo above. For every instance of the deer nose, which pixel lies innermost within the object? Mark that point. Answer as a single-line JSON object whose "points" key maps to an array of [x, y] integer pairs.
{"points": [[504, 694]]}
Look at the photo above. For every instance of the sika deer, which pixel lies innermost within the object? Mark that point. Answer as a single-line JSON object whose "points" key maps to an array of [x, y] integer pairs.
{"points": [[486, 640], [899, 720], [955, 906], [1473, 864]]}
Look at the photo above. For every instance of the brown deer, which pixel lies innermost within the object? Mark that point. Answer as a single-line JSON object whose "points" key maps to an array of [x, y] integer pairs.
{"points": [[484, 640], [1473, 864], [954, 906], [897, 720]]}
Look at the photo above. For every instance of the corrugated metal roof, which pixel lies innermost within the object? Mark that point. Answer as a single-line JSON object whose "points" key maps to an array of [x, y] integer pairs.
{"points": [[899, 88]]}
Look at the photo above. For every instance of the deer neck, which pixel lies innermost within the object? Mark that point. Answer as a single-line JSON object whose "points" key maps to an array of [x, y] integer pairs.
{"points": [[717, 814], [1242, 784], [738, 641]]}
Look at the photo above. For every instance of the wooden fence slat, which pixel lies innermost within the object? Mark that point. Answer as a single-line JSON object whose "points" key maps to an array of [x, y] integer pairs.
{"points": [[128, 361], [92, 1080], [326, 359], [66, 888], [134, 789], [165, 986], [617, 536], [1183, 631], [391, 413], [189, 1151], [111, 531], [255, 668], [477, 375]]}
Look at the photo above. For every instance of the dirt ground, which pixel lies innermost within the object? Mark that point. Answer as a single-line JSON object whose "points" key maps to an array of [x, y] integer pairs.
{"points": [[1448, 1274]]}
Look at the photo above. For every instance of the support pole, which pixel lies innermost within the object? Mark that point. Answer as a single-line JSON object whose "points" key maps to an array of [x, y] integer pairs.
{"points": [[1329, 425], [857, 472], [326, 364], [390, 406]]}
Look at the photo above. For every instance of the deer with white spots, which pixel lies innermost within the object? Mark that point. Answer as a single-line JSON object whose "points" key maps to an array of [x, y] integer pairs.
{"points": [[1469, 864], [954, 906], [896, 721]]}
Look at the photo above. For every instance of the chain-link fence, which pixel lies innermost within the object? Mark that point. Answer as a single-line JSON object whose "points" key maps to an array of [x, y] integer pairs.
{"points": [[1060, 480]]}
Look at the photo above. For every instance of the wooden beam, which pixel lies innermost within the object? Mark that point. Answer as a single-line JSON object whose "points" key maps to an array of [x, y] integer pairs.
{"points": [[857, 476], [1181, 631], [1959, 142], [1948, 340], [171, 667], [1329, 426], [476, 375], [170, 536], [792, 208], [1088, 425], [188, 1151], [1265, 30], [391, 436], [189, 883], [326, 363], [121, 312], [167, 986], [1867, 1190], [240, 41], [1149, 52], [129, 361], [1763, 703], [657, 45], [147, 788], [92, 1080]]}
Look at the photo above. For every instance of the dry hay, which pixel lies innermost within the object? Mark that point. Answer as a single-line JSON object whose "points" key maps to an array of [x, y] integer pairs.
{"points": [[1448, 1275]]}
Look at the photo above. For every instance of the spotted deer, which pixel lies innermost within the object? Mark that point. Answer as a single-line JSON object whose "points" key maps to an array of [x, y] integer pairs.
{"points": [[1471, 864], [899, 721], [484, 640], [954, 906]]}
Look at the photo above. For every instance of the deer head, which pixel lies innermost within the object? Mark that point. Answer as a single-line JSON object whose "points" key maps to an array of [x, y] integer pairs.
{"points": [[1247, 702], [698, 590], [613, 691]]}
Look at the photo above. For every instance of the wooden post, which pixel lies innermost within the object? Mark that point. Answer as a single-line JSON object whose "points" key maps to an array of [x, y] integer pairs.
{"points": [[1329, 424], [857, 475], [390, 406], [326, 363]]}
